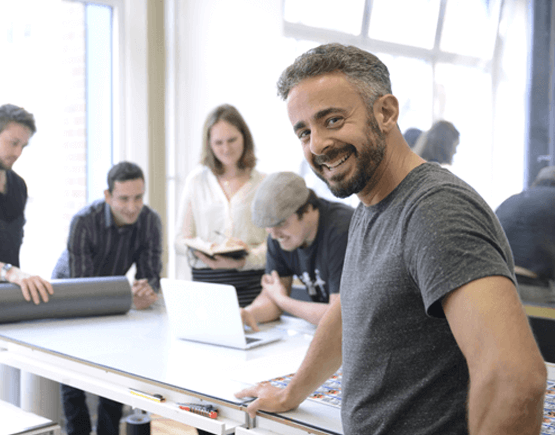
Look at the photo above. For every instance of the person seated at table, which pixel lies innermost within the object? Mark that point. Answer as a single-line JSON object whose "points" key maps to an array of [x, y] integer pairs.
{"points": [[411, 135], [307, 238], [439, 143], [528, 219], [17, 126], [105, 239], [216, 203]]}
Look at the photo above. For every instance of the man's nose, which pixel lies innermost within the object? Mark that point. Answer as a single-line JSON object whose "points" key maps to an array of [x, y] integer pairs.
{"points": [[133, 206], [319, 141], [17, 151]]}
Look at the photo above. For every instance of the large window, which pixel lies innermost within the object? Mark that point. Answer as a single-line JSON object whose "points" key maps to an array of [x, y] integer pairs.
{"points": [[448, 59], [58, 65]]}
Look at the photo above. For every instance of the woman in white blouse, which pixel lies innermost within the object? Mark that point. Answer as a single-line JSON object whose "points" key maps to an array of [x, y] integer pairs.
{"points": [[216, 206]]}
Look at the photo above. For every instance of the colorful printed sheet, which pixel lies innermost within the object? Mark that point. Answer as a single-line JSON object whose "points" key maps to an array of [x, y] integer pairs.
{"points": [[548, 425], [329, 393]]}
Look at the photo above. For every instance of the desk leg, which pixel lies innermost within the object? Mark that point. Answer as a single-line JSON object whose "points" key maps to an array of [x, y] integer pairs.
{"points": [[9, 384], [40, 396]]}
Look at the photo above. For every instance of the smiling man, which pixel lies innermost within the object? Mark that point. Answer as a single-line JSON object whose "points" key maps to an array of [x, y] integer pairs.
{"points": [[17, 126], [428, 327], [105, 239], [307, 238]]}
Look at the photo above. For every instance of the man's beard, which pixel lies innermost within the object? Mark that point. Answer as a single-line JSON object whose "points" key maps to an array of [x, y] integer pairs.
{"points": [[368, 158]]}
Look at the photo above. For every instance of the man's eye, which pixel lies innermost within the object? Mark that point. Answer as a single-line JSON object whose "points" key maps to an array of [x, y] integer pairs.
{"points": [[303, 134], [332, 122]]}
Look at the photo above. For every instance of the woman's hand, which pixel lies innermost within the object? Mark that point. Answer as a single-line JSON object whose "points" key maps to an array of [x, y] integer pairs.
{"points": [[233, 242]]}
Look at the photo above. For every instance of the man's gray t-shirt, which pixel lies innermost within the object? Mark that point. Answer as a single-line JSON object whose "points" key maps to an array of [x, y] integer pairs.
{"points": [[403, 372]]}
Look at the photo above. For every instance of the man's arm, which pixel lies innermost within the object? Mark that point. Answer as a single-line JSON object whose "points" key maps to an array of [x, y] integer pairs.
{"points": [[322, 360], [79, 249], [280, 294], [32, 286], [143, 294], [507, 371], [263, 309], [149, 263]]}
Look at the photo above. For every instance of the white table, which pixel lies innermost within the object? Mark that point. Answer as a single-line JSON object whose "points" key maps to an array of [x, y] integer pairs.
{"points": [[109, 355], [16, 421]]}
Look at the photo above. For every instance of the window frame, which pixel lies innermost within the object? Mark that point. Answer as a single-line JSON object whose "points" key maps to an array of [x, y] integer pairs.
{"points": [[130, 81]]}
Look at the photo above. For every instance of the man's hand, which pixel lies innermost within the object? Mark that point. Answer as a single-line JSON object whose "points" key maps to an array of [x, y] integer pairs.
{"points": [[221, 261], [143, 295], [273, 287], [269, 398], [248, 319], [32, 286]]}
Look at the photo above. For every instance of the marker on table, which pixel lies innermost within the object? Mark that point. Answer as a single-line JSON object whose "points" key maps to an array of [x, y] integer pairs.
{"points": [[204, 410], [155, 397]]}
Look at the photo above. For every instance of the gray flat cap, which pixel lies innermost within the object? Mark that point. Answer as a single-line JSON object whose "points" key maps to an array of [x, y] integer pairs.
{"points": [[278, 197]]}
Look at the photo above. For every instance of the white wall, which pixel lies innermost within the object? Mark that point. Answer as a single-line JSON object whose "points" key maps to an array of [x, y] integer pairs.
{"points": [[241, 69]]}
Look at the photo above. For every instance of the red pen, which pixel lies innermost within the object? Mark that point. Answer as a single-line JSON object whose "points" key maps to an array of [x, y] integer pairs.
{"points": [[204, 410]]}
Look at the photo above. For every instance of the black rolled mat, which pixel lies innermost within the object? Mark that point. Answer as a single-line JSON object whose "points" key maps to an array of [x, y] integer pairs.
{"points": [[75, 297]]}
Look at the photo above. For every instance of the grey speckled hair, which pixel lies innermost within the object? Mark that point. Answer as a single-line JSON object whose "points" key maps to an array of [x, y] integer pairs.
{"points": [[364, 71]]}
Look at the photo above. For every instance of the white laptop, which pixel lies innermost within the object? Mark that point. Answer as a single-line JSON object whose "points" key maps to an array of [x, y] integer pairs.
{"points": [[209, 313]]}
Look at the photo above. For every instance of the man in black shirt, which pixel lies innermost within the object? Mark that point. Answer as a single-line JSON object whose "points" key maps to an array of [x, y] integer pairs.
{"points": [[307, 238], [528, 219], [16, 128]]}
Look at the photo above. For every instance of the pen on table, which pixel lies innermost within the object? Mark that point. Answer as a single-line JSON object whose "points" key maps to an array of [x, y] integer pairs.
{"points": [[155, 397], [196, 408]]}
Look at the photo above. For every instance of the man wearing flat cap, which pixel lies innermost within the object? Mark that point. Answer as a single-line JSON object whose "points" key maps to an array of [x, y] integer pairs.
{"points": [[528, 219], [307, 239]]}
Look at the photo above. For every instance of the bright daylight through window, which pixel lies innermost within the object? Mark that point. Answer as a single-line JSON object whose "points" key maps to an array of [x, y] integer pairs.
{"points": [[440, 70]]}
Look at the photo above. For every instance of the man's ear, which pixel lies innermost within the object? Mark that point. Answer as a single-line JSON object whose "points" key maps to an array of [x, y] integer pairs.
{"points": [[107, 196], [386, 111]]}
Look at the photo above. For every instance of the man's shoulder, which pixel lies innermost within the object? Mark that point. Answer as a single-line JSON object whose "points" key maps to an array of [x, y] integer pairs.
{"points": [[15, 179], [335, 214], [93, 208], [430, 181], [149, 212], [91, 213], [335, 206], [528, 201], [539, 193]]}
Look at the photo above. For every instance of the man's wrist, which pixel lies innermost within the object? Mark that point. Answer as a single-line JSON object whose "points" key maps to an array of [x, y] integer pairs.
{"points": [[4, 271], [280, 299]]}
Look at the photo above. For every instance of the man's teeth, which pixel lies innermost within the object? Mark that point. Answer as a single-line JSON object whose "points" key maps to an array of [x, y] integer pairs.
{"points": [[336, 164]]}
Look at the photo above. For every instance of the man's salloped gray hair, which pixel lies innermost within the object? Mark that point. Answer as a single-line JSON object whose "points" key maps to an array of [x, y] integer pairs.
{"points": [[364, 71], [124, 171], [12, 113]]}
